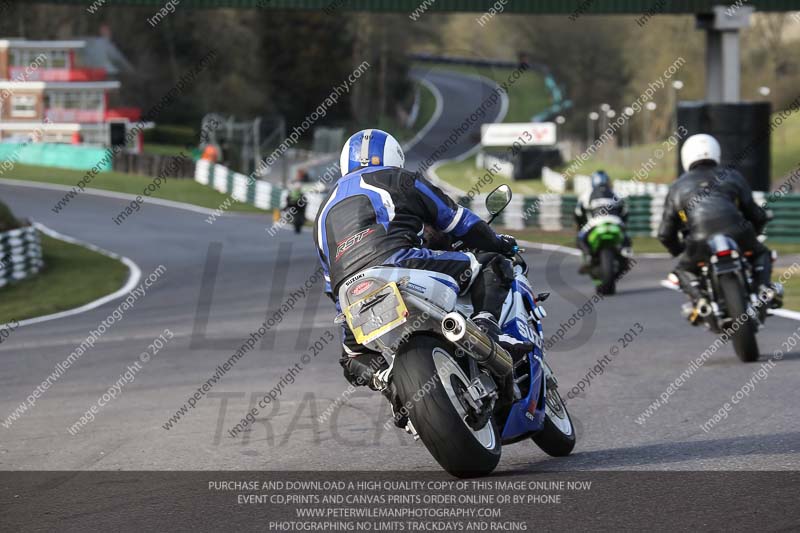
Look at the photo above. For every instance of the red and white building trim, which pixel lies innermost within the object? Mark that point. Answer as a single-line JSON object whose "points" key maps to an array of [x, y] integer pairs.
{"points": [[45, 92]]}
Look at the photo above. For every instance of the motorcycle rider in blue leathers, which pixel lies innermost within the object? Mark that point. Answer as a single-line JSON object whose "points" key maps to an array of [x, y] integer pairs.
{"points": [[375, 215]]}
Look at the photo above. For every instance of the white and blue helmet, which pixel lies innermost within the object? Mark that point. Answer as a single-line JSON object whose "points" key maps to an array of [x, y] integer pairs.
{"points": [[371, 148], [600, 179]]}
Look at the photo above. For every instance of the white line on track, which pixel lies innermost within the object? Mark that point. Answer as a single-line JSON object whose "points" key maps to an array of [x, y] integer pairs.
{"points": [[552, 247], [431, 172], [111, 194], [577, 253], [437, 112], [653, 255], [135, 274], [669, 285], [783, 313], [504, 103], [501, 115]]}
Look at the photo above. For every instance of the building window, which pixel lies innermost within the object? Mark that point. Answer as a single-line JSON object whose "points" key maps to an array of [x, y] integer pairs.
{"points": [[58, 59], [93, 100], [43, 58], [72, 101], [19, 58], [26, 58], [23, 105], [87, 100]]}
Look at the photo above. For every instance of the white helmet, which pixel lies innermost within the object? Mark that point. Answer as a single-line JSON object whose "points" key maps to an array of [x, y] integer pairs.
{"points": [[371, 148], [700, 147]]}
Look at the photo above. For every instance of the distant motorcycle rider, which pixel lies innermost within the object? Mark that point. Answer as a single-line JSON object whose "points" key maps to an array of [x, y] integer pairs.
{"points": [[296, 205], [297, 199], [709, 199], [602, 202], [375, 215]]}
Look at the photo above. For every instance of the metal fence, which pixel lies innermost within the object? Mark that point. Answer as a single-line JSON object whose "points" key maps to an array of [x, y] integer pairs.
{"points": [[155, 165]]}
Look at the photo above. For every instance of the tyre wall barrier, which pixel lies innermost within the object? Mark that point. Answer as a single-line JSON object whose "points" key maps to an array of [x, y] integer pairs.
{"points": [[20, 254], [549, 212]]}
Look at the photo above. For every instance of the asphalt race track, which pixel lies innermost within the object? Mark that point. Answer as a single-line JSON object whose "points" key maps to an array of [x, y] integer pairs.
{"points": [[222, 279]]}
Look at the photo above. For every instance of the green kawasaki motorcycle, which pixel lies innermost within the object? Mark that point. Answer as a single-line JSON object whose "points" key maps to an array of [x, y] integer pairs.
{"points": [[609, 257]]}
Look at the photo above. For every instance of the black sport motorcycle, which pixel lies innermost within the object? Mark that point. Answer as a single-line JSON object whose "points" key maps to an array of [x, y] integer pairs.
{"points": [[735, 307]]}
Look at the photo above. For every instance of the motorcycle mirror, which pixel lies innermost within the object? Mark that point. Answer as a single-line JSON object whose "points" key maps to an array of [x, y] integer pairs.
{"points": [[498, 199]]}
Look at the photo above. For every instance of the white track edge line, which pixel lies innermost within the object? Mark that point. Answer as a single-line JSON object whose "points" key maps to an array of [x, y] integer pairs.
{"points": [[783, 313], [504, 103], [552, 247], [437, 112], [134, 275], [110, 194]]}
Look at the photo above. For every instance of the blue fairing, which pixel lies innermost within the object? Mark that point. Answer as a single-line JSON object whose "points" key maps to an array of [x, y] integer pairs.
{"points": [[527, 414], [447, 283]]}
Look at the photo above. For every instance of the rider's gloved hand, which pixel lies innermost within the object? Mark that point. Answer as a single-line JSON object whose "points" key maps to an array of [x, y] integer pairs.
{"points": [[508, 244]]}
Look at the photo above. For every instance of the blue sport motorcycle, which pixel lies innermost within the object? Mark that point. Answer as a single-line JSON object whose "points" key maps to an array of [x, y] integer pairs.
{"points": [[464, 395]]}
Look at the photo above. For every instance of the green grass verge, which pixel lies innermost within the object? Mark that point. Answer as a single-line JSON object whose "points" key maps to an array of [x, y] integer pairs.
{"points": [[72, 276], [527, 95], [625, 162], [165, 149], [791, 288], [786, 148], [427, 106], [464, 175], [179, 190]]}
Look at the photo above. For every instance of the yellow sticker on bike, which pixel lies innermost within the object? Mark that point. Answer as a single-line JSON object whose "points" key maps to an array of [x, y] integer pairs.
{"points": [[377, 313]]}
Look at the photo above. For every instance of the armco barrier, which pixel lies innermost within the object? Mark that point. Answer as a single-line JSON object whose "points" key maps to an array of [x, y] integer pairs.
{"points": [[56, 155], [20, 254], [785, 227], [258, 193], [639, 215], [549, 212]]}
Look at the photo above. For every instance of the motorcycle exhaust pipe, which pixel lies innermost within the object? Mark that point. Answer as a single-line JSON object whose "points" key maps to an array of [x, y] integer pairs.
{"points": [[477, 344], [704, 310]]}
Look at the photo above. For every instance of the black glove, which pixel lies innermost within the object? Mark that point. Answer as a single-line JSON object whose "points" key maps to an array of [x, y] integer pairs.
{"points": [[508, 244], [360, 370], [354, 372]]}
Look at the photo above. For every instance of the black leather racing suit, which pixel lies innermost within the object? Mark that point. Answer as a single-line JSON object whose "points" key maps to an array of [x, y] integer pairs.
{"points": [[375, 216], [707, 200], [602, 201]]}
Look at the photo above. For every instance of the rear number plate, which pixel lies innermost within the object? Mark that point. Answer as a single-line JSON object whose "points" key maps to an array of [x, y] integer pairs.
{"points": [[377, 313]]}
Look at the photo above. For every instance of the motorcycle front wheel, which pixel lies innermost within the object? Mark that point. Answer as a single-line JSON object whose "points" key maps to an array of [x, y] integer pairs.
{"points": [[557, 437], [430, 384]]}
